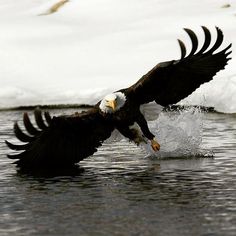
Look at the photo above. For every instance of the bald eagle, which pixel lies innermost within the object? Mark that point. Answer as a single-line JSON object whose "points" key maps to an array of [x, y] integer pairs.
{"points": [[65, 140]]}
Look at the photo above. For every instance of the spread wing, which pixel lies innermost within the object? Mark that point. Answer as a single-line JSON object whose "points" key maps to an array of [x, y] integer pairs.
{"points": [[60, 141], [169, 82]]}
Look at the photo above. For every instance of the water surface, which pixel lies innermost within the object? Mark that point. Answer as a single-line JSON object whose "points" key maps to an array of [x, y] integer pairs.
{"points": [[119, 191]]}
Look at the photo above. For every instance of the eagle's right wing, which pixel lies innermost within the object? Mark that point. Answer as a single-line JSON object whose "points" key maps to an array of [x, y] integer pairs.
{"points": [[62, 142], [169, 82]]}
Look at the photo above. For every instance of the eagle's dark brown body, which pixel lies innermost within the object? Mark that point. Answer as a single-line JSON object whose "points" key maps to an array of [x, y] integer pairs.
{"points": [[128, 115], [65, 140]]}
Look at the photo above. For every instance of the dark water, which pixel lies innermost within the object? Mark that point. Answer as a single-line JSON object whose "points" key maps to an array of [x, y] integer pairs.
{"points": [[120, 192]]}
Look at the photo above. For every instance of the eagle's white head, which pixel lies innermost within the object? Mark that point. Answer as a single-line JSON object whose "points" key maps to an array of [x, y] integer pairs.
{"points": [[112, 102]]}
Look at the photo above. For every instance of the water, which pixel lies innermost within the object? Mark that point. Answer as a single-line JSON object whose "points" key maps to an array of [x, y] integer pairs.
{"points": [[119, 191]]}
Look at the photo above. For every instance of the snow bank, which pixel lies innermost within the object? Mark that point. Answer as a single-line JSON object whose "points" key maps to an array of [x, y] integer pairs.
{"points": [[87, 49]]}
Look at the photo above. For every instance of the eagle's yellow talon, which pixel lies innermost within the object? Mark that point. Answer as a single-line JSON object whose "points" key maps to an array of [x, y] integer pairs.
{"points": [[155, 145]]}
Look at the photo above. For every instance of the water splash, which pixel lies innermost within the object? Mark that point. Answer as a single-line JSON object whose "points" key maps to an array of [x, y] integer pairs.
{"points": [[178, 132]]}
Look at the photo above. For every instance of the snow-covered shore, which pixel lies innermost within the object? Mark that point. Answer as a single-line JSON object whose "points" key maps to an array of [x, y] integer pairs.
{"points": [[89, 48]]}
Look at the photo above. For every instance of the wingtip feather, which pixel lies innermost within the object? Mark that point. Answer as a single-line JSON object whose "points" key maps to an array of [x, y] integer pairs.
{"points": [[39, 118], [207, 40], [28, 125], [193, 39], [20, 134], [182, 48], [48, 117], [218, 42]]}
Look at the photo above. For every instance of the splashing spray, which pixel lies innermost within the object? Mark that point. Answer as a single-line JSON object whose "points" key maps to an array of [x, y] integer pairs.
{"points": [[178, 132]]}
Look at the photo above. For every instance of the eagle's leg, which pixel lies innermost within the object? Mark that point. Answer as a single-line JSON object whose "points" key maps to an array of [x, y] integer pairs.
{"points": [[147, 133], [138, 137], [132, 134]]}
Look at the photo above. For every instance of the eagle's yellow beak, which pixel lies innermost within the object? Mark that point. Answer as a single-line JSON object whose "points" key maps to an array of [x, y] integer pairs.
{"points": [[112, 104]]}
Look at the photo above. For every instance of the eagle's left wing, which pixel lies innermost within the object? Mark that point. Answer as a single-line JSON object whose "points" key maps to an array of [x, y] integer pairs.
{"points": [[169, 82], [60, 141]]}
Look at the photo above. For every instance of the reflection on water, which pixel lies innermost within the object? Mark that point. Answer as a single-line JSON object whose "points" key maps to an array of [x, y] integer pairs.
{"points": [[121, 192]]}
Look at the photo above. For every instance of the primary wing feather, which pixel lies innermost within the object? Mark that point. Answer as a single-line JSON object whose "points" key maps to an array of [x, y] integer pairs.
{"points": [[169, 82], [63, 141]]}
